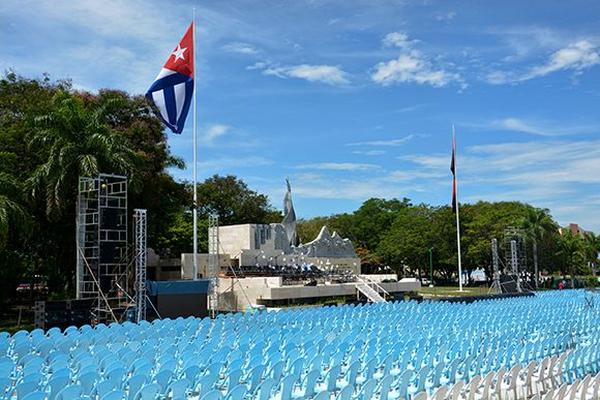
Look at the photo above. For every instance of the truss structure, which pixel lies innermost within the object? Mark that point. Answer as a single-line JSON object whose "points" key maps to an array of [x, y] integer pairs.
{"points": [[517, 264], [213, 268], [102, 243], [496, 287], [141, 257]]}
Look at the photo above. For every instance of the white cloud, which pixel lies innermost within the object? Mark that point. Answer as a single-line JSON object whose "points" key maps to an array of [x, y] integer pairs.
{"points": [[369, 152], [528, 40], [397, 39], [347, 166], [388, 143], [411, 66], [577, 57], [226, 164], [449, 16], [548, 174], [257, 65], [537, 127], [215, 131], [324, 187], [329, 74], [241, 48], [411, 108]]}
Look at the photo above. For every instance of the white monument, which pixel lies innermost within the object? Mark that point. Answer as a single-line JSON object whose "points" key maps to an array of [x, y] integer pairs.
{"points": [[274, 244]]}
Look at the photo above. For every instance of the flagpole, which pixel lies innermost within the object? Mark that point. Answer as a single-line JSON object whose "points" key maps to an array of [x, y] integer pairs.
{"points": [[460, 286], [195, 126]]}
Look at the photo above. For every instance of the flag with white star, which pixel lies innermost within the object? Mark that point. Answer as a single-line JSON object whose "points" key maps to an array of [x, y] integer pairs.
{"points": [[171, 92]]}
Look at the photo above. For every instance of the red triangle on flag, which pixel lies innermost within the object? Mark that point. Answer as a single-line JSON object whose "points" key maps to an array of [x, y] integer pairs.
{"points": [[182, 58]]}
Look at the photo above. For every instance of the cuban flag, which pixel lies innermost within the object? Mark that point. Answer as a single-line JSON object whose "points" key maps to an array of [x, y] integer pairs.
{"points": [[171, 92]]}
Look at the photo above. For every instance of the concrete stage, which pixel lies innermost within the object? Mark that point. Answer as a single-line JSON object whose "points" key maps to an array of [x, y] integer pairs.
{"points": [[238, 294]]}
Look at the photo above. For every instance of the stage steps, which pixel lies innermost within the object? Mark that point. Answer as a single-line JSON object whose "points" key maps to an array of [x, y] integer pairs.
{"points": [[364, 287]]}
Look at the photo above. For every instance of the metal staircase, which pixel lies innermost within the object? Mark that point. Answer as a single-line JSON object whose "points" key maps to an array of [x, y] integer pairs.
{"points": [[370, 289]]}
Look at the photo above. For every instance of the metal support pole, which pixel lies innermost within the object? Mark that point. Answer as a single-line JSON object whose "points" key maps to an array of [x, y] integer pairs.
{"points": [[141, 257], [195, 161], [213, 263], [535, 264], [515, 263], [431, 267]]}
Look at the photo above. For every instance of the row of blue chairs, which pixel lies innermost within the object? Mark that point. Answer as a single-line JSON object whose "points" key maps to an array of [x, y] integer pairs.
{"points": [[384, 350]]}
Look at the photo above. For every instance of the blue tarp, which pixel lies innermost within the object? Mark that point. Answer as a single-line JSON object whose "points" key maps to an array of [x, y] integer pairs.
{"points": [[177, 287]]}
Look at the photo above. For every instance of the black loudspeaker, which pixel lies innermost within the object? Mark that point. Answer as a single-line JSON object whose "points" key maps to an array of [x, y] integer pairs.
{"points": [[508, 283], [62, 314], [112, 252], [174, 299], [112, 218]]}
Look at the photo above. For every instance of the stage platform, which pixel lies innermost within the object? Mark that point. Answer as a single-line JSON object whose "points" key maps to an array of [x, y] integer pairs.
{"points": [[236, 295]]}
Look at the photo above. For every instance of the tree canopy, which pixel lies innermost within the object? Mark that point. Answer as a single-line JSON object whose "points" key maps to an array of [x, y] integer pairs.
{"points": [[50, 134]]}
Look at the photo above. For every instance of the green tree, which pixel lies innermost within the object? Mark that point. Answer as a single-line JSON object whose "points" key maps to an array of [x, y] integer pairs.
{"points": [[443, 241], [592, 248], [234, 203], [572, 252], [14, 217], [77, 141], [407, 243], [537, 224], [56, 134]]}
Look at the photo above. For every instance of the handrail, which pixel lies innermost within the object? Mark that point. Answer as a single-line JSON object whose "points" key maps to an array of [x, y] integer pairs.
{"points": [[364, 287], [372, 282]]}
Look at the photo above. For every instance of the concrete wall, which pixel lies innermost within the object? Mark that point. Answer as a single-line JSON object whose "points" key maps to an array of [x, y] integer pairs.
{"points": [[187, 264], [233, 238], [257, 289]]}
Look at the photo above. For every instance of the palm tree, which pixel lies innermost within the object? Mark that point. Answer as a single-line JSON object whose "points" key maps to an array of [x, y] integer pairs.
{"points": [[592, 248], [13, 216], [78, 141], [537, 224], [572, 251]]}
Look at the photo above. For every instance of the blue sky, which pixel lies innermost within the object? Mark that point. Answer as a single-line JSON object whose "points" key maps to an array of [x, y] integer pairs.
{"points": [[354, 99]]}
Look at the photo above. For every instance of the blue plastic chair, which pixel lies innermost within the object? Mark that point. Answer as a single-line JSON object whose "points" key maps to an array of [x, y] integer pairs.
{"points": [[265, 389], [134, 384], [237, 393], [88, 381], [212, 395], [163, 378], [178, 389], [148, 392], [56, 384], [287, 386], [104, 387], [345, 393], [24, 388], [367, 391], [37, 395], [322, 396], [114, 395], [70, 392]]}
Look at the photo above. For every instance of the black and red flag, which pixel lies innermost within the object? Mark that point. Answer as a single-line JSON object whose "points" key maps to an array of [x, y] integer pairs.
{"points": [[453, 169]]}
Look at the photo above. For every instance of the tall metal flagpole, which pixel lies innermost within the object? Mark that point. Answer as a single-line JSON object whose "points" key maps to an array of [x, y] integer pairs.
{"points": [[195, 209], [460, 286]]}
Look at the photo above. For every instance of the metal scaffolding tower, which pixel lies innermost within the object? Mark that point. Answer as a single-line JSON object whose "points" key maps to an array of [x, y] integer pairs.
{"points": [[102, 243], [496, 287], [518, 264], [141, 256], [514, 262], [213, 263]]}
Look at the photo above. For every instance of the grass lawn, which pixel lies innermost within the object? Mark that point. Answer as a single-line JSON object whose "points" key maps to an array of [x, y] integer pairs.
{"points": [[9, 321], [449, 291]]}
